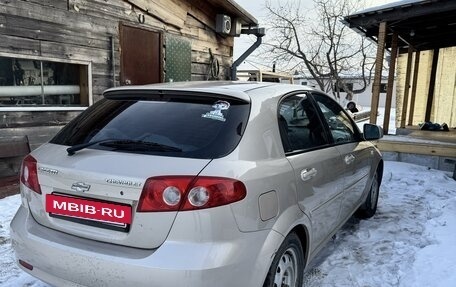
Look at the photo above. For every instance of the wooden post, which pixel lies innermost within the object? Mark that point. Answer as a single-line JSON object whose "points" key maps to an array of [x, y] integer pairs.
{"points": [[414, 85], [407, 86], [378, 72], [390, 85], [435, 61], [84, 85]]}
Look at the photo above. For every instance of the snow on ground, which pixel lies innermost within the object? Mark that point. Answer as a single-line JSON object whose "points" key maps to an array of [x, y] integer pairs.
{"points": [[409, 242], [10, 274]]}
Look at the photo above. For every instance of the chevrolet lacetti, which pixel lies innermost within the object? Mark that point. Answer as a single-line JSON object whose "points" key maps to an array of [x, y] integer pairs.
{"points": [[194, 184]]}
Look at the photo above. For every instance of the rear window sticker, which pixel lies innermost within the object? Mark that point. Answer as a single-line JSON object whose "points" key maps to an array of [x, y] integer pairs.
{"points": [[216, 114]]}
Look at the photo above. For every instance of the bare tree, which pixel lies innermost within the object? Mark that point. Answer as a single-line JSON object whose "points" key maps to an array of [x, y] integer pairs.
{"points": [[321, 45]]}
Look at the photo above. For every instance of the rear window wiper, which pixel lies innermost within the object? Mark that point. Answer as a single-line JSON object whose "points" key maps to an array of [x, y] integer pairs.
{"points": [[139, 145], [73, 149], [125, 145]]}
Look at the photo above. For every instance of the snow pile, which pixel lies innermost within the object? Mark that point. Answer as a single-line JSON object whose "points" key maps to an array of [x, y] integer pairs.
{"points": [[411, 241]]}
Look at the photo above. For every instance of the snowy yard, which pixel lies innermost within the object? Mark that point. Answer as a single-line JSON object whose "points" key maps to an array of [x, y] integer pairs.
{"points": [[411, 241]]}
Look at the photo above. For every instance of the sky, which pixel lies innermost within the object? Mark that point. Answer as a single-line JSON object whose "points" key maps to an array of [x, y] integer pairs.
{"points": [[256, 8]]}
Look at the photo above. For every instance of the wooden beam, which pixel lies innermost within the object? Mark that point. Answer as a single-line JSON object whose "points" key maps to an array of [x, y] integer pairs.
{"points": [[416, 148], [378, 72], [414, 85], [390, 85], [435, 61], [84, 85], [407, 86]]}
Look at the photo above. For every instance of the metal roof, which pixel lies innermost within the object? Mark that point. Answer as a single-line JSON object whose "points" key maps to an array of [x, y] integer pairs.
{"points": [[425, 24], [389, 6]]}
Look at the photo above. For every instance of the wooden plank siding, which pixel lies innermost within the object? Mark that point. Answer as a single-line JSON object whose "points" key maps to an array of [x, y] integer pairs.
{"points": [[81, 30]]}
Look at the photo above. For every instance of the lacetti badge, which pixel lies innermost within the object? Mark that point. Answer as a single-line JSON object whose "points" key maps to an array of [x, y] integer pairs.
{"points": [[123, 182], [80, 187], [48, 170]]}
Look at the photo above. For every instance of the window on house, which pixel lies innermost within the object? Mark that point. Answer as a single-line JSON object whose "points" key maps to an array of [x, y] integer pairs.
{"points": [[341, 89], [37, 83], [383, 88]]}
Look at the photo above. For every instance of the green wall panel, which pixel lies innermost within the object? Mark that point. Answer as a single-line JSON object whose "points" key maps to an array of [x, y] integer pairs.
{"points": [[178, 59]]}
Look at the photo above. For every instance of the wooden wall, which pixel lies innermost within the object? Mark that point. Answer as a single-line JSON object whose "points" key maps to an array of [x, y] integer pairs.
{"points": [[444, 105], [84, 31], [81, 30]]}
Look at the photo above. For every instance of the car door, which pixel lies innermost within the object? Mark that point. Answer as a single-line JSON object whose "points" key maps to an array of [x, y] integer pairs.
{"points": [[355, 152], [317, 166]]}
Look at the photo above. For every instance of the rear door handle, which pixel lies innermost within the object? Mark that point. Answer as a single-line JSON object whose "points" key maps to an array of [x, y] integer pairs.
{"points": [[308, 174], [349, 159]]}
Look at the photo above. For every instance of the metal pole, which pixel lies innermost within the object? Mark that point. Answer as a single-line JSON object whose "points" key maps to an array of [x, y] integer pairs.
{"points": [[259, 32], [244, 56]]}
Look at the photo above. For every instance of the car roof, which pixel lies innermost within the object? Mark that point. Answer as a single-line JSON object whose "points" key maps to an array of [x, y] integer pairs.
{"points": [[236, 89]]}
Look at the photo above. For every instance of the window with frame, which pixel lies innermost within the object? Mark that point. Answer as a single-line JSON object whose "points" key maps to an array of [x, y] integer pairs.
{"points": [[339, 87], [340, 125], [38, 83], [299, 125]]}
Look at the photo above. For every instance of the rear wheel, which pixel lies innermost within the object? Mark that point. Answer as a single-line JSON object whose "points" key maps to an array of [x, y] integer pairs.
{"points": [[288, 265], [368, 209]]}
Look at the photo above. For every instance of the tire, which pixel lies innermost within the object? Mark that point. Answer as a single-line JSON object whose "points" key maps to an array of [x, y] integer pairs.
{"points": [[287, 268], [369, 207]]}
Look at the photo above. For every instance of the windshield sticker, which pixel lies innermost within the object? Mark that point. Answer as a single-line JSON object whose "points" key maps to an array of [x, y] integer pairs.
{"points": [[216, 114]]}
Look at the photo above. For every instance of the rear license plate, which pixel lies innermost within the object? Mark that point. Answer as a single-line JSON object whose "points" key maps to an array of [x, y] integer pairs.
{"points": [[75, 207]]}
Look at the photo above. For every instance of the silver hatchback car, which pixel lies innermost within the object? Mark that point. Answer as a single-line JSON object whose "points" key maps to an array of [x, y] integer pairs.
{"points": [[194, 184]]}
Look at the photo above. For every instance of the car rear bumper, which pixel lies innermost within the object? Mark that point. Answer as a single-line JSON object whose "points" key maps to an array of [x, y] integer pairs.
{"points": [[66, 260]]}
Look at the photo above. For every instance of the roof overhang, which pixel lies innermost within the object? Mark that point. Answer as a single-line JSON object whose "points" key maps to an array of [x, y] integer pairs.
{"points": [[233, 8], [424, 24]]}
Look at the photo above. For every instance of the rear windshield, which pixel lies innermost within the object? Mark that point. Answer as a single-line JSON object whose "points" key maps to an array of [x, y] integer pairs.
{"points": [[188, 126]]}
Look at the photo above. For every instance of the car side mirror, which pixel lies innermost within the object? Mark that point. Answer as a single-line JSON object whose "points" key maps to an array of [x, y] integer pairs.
{"points": [[372, 132]]}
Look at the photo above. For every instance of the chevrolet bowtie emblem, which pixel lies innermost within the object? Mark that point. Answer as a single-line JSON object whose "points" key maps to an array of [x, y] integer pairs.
{"points": [[80, 186]]}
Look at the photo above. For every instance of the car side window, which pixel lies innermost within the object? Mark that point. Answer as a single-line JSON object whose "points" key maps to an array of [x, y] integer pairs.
{"points": [[299, 125], [340, 125]]}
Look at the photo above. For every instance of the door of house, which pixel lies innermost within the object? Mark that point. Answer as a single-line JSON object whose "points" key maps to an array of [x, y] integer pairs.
{"points": [[140, 57]]}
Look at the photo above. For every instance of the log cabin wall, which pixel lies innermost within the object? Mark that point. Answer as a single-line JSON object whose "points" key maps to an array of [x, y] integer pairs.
{"points": [[86, 32]]}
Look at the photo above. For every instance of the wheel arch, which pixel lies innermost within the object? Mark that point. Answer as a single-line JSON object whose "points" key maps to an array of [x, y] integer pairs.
{"points": [[380, 171], [303, 234]]}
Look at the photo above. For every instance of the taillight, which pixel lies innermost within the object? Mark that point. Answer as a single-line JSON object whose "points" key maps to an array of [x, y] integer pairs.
{"points": [[29, 174], [173, 193], [158, 193]]}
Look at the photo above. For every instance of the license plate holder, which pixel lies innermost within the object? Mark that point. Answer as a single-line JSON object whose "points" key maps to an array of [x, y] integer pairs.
{"points": [[93, 212]]}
